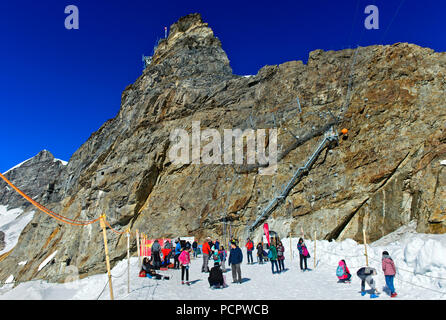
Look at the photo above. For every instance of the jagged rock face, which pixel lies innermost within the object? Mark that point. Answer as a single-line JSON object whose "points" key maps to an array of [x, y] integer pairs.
{"points": [[386, 173], [36, 177]]}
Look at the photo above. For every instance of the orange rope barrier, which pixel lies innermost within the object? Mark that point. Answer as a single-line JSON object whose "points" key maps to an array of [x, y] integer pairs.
{"points": [[47, 211]]}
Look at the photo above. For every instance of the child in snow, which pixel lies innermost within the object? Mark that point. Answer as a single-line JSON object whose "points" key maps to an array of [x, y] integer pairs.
{"points": [[343, 273], [184, 260], [281, 256], [216, 276], [303, 254], [365, 274], [389, 272]]}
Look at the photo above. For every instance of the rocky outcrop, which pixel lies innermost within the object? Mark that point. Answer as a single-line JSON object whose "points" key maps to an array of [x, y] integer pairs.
{"points": [[37, 177], [386, 173]]}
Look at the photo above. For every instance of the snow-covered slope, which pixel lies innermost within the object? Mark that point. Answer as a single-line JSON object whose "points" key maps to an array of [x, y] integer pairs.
{"points": [[420, 261], [12, 222]]}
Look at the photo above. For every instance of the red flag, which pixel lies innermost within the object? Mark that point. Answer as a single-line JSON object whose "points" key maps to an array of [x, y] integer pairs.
{"points": [[266, 230]]}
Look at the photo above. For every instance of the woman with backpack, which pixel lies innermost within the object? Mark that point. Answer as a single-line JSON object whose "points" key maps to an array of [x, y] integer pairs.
{"points": [[389, 270], [272, 255], [281, 256], [303, 254], [184, 260], [343, 273]]}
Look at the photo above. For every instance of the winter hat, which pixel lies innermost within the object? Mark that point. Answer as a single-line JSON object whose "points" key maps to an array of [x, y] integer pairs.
{"points": [[385, 253]]}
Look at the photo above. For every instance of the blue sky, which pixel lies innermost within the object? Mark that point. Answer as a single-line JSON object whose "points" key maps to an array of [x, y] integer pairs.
{"points": [[58, 86]]}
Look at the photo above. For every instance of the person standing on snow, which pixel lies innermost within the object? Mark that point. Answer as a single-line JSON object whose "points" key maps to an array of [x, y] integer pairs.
{"points": [[260, 252], [303, 254], [176, 263], [272, 255], [365, 274], [281, 256], [235, 259], [249, 248], [195, 248], [156, 249], [206, 250], [342, 272], [222, 254], [389, 270], [184, 259]]}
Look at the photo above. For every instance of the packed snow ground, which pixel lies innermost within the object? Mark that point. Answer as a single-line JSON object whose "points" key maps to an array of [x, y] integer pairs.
{"points": [[420, 260]]}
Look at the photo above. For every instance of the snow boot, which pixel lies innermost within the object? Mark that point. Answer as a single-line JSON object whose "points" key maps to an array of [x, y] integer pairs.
{"points": [[373, 295], [393, 295], [363, 293]]}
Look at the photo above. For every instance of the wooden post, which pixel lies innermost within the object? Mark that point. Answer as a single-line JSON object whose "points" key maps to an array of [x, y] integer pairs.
{"points": [[365, 248], [128, 261], [291, 248], [137, 248], [107, 258], [314, 265]]}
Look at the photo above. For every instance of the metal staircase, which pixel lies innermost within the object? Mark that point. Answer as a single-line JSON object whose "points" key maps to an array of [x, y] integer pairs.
{"points": [[329, 138]]}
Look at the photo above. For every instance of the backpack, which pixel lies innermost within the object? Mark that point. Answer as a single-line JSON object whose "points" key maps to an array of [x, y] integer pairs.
{"points": [[305, 252], [339, 271], [270, 254], [142, 273]]}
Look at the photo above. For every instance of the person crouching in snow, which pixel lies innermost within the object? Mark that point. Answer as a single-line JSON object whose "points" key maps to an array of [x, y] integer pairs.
{"points": [[389, 272], [365, 274], [184, 260], [343, 273], [216, 276]]}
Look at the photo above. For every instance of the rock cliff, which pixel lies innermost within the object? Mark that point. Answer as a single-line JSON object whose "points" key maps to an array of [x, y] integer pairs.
{"points": [[385, 173]]}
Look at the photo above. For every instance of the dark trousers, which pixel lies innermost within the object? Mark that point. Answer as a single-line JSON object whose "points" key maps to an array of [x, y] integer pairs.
{"points": [[274, 263], [184, 270], [303, 260], [176, 262], [215, 282], [281, 264], [346, 279], [260, 258], [250, 257]]}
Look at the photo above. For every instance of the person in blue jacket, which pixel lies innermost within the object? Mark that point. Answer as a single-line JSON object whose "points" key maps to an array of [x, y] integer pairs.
{"points": [[176, 264], [235, 261]]}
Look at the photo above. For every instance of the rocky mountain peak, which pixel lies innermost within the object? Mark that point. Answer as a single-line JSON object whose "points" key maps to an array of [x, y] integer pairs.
{"points": [[191, 49]]}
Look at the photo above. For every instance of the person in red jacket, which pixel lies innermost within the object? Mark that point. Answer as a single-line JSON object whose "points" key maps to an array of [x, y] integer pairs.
{"points": [[249, 248], [206, 253], [389, 272]]}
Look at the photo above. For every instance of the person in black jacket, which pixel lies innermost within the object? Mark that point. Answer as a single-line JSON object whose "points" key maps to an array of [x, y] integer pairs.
{"points": [[235, 259], [216, 276], [260, 253], [195, 248]]}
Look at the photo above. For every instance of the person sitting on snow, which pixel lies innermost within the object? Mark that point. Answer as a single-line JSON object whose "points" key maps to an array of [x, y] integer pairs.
{"points": [[216, 276], [149, 269], [343, 273], [365, 274]]}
